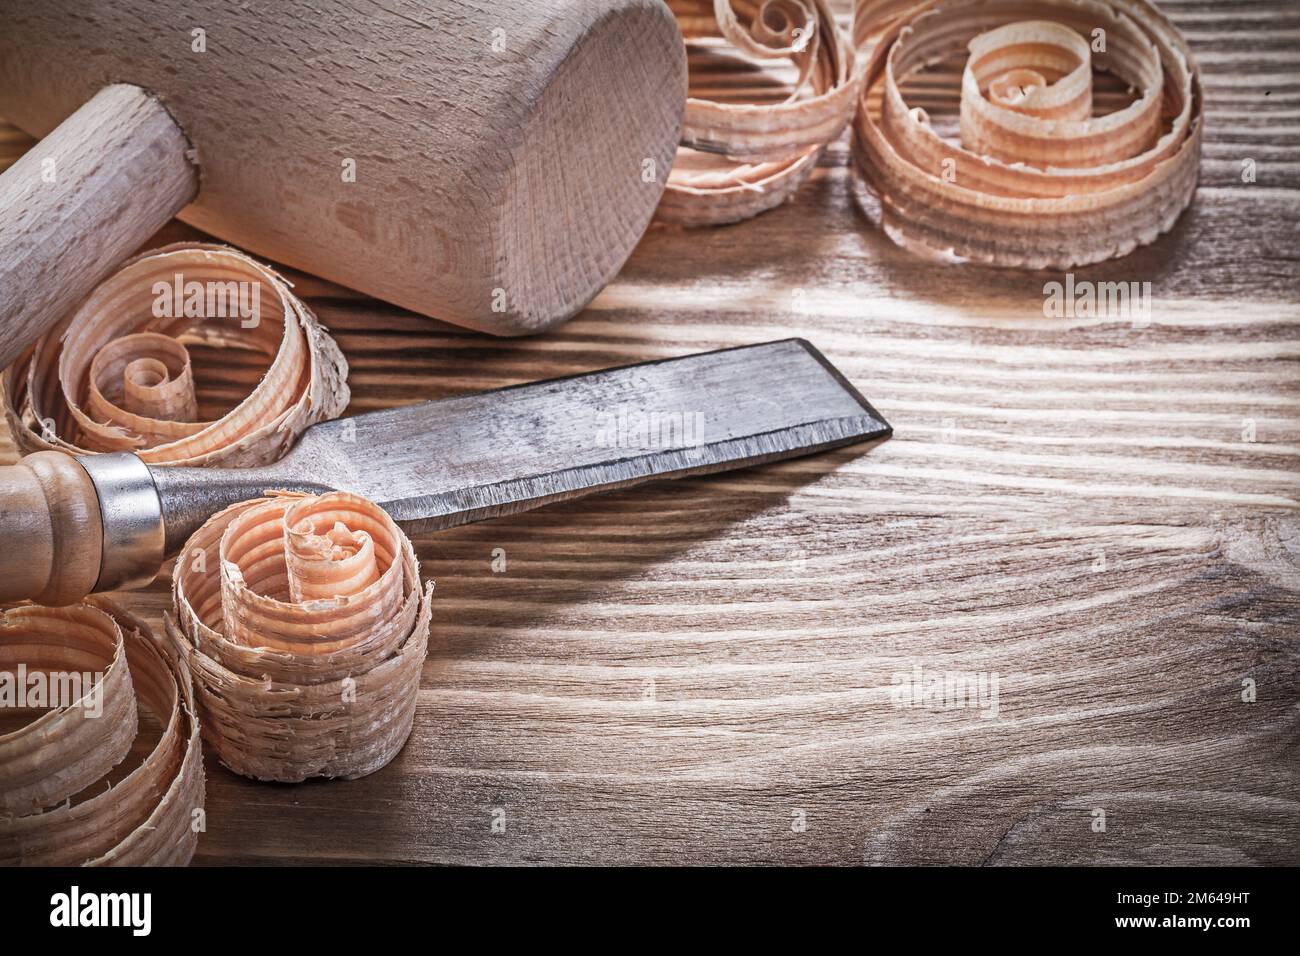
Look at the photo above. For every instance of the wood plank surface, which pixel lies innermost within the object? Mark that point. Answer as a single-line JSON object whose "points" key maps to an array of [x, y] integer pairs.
{"points": [[1100, 513]]}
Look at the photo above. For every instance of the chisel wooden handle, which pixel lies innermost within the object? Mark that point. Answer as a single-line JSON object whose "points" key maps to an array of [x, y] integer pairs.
{"points": [[82, 200], [74, 526], [51, 528]]}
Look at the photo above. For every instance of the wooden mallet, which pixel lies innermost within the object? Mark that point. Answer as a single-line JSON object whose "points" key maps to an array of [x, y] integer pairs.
{"points": [[487, 163]]}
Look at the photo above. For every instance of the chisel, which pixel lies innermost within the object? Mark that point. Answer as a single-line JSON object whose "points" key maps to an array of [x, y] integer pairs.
{"points": [[99, 522]]}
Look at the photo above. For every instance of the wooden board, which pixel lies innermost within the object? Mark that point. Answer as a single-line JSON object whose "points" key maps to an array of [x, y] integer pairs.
{"points": [[1102, 515]]}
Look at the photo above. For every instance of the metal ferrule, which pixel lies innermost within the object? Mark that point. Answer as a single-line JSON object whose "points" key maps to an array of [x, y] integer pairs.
{"points": [[131, 513]]}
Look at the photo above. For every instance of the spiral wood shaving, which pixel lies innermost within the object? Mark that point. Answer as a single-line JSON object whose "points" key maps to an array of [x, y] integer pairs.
{"points": [[116, 376], [1036, 179], [56, 806], [306, 628], [764, 152]]}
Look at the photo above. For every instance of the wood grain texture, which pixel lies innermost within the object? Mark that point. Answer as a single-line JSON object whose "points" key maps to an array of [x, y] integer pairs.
{"points": [[1072, 504], [13, 144], [473, 160]]}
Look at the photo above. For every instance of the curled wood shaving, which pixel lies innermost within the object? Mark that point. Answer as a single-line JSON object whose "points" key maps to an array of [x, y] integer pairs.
{"points": [[306, 626], [739, 159], [56, 808], [118, 376], [1037, 180]]}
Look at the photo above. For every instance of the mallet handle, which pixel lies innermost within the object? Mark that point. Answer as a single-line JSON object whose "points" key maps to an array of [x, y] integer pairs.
{"points": [[82, 200]]}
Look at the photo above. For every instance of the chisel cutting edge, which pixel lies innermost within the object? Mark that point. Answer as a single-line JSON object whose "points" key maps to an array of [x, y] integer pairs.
{"points": [[98, 522]]}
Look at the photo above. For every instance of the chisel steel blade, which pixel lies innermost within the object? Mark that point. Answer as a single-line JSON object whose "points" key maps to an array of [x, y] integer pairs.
{"points": [[444, 463]]}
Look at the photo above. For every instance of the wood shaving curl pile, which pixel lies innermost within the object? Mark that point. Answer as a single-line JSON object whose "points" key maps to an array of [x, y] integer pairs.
{"points": [[56, 808], [117, 376], [763, 152], [1036, 180], [306, 627]]}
